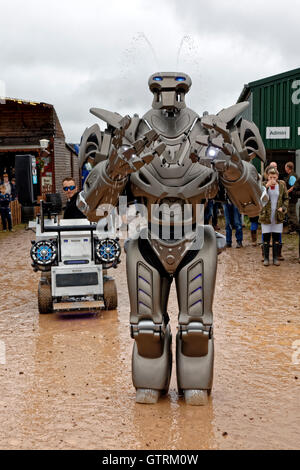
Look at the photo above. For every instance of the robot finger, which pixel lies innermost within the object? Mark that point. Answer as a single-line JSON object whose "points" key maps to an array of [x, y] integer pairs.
{"points": [[212, 123], [218, 142], [148, 158], [136, 163], [125, 123], [230, 150], [159, 148], [119, 132], [202, 140], [221, 128], [140, 144], [150, 136], [129, 153]]}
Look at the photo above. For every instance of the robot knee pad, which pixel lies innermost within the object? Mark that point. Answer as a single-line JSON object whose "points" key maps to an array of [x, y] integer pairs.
{"points": [[194, 357], [152, 357]]}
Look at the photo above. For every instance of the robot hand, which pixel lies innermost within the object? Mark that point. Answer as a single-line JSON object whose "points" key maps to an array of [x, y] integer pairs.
{"points": [[230, 169], [124, 159], [220, 152]]}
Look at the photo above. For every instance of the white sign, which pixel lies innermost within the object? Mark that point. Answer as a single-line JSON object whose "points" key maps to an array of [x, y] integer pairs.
{"points": [[46, 180], [277, 133], [298, 130]]}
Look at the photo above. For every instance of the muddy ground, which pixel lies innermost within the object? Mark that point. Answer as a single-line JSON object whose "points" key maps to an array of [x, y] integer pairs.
{"points": [[66, 381]]}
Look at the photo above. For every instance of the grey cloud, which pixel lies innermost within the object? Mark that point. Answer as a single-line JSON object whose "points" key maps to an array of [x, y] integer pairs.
{"points": [[100, 54]]}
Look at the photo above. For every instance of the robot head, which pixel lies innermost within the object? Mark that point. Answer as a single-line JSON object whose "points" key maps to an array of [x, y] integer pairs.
{"points": [[169, 89]]}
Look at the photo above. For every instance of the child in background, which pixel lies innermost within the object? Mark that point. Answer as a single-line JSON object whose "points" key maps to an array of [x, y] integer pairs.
{"points": [[272, 215], [5, 209]]}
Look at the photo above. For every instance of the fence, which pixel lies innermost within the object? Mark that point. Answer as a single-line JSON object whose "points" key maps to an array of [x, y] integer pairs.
{"points": [[15, 207]]}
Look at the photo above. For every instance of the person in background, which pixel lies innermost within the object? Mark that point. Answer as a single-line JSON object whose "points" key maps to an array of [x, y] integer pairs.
{"points": [[7, 184], [254, 220], [216, 207], [71, 210], [208, 211], [296, 193], [280, 257], [14, 194], [253, 229], [86, 169], [290, 180], [272, 215], [272, 164], [211, 212], [233, 219], [5, 209]]}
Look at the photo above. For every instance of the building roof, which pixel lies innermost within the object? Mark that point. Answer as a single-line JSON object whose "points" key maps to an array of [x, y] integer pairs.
{"points": [[32, 103], [71, 147], [23, 125], [263, 81]]}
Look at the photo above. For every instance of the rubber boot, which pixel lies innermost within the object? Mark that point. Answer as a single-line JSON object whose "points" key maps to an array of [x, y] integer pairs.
{"points": [[266, 249], [262, 253], [280, 257], [254, 237], [275, 250]]}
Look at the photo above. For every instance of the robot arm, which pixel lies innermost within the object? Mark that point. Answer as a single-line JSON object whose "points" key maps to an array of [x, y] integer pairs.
{"points": [[229, 152], [99, 189], [241, 181], [108, 178], [246, 191]]}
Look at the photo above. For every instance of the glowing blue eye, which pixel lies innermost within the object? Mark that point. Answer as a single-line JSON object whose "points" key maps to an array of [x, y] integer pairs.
{"points": [[157, 79], [180, 79]]}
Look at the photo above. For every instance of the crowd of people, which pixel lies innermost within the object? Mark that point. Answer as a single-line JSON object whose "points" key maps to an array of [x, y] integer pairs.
{"points": [[281, 207], [8, 193]]}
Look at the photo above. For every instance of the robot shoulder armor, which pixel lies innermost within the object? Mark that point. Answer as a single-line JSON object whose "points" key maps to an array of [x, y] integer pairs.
{"points": [[90, 143], [114, 120], [111, 118], [251, 139], [229, 114]]}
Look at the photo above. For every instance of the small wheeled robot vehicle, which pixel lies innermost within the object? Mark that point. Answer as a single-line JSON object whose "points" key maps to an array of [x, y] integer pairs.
{"points": [[73, 256]]}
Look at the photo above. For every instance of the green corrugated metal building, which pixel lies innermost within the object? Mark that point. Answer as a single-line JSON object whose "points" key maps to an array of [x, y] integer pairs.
{"points": [[275, 109]]}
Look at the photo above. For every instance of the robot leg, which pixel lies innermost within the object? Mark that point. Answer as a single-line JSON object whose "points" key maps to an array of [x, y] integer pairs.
{"points": [[151, 359], [195, 284]]}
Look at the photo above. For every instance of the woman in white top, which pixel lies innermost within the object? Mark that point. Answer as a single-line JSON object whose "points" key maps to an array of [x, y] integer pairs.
{"points": [[272, 215]]}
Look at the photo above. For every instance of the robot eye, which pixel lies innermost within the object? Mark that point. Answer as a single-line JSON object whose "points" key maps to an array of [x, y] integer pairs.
{"points": [[180, 79], [157, 79]]}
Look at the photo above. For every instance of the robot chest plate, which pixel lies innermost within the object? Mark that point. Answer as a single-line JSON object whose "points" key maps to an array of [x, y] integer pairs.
{"points": [[173, 175]]}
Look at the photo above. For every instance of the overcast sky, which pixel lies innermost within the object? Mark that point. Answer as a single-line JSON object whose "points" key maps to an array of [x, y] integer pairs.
{"points": [[99, 53]]}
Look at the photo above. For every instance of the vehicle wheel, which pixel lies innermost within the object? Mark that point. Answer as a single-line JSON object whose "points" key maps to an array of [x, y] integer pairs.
{"points": [[45, 304], [110, 294]]}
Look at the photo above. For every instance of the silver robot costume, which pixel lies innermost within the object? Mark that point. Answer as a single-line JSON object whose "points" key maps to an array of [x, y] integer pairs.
{"points": [[174, 159]]}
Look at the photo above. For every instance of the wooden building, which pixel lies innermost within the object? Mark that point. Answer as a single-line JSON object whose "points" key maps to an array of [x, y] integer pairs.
{"points": [[22, 125]]}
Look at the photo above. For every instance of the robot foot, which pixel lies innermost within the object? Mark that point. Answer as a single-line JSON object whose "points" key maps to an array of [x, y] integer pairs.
{"points": [[196, 397], [147, 395]]}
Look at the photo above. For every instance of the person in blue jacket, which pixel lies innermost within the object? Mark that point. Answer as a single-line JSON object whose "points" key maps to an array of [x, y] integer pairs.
{"points": [[290, 180], [5, 209]]}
